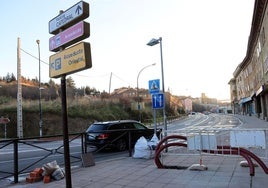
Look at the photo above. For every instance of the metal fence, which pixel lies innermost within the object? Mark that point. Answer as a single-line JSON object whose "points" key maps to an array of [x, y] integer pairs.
{"points": [[42, 150], [14, 149]]}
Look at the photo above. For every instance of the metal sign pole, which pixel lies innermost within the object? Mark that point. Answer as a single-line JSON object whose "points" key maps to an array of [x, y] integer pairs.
{"points": [[5, 131], [68, 177], [154, 121], [57, 62]]}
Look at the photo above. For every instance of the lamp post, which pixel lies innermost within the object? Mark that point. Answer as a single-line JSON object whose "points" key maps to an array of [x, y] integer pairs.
{"points": [[152, 43], [138, 88], [40, 104]]}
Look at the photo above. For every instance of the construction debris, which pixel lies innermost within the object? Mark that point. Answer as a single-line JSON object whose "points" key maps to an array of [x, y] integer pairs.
{"points": [[48, 172]]}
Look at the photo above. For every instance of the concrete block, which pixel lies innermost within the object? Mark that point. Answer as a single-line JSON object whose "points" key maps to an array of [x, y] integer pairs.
{"points": [[198, 167]]}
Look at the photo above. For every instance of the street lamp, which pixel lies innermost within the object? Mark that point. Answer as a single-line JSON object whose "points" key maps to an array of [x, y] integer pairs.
{"points": [[152, 43], [138, 88], [40, 105]]}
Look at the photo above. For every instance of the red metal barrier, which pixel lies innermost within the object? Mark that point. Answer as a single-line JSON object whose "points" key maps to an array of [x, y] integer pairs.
{"points": [[161, 148], [170, 137], [234, 151], [227, 150], [249, 153]]}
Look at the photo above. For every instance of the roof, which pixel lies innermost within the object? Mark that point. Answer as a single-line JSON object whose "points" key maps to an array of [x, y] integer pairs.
{"points": [[257, 19], [117, 121]]}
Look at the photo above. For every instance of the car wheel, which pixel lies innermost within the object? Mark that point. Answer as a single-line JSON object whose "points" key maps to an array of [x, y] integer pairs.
{"points": [[121, 145]]}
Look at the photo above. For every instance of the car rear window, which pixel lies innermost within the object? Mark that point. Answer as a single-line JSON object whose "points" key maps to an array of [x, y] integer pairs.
{"points": [[97, 127]]}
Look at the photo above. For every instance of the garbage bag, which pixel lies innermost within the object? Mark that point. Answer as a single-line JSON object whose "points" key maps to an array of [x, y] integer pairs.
{"points": [[58, 174], [142, 149], [50, 167], [153, 142]]}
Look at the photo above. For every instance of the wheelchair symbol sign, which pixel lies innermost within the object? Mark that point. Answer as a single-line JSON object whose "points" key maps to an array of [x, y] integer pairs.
{"points": [[154, 86]]}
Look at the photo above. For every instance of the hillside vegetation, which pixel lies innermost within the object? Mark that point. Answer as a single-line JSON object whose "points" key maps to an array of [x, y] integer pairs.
{"points": [[85, 105], [81, 113]]}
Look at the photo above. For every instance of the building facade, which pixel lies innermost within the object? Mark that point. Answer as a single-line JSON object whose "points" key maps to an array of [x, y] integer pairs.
{"points": [[249, 85], [188, 105]]}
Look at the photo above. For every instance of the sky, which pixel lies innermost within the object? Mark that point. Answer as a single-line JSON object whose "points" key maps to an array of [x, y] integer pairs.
{"points": [[202, 42]]}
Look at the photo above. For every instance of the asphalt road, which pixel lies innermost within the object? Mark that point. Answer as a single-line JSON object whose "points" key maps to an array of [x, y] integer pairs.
{"points": [[200, 121]]}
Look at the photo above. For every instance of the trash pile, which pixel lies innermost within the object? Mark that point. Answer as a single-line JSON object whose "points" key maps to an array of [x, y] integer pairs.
{"points": [[144, 148], [50, 171]]}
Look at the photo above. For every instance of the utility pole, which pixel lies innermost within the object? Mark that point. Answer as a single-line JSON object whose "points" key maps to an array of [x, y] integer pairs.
{"points": [[19, 94]]}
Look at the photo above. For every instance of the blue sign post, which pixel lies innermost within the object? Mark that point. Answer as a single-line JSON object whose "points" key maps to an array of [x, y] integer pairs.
{"points": [[154, 86], [158, 100]]}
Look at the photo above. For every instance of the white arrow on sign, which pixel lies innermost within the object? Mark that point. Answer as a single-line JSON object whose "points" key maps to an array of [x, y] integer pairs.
{"points": [[160, 100], [155, 102]]}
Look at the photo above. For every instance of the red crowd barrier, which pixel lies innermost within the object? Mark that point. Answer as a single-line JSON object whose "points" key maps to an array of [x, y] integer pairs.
{"points": [[227, 150]]}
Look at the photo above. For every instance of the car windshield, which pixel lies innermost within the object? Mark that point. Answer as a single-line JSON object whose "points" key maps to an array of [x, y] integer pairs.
{"points": [[96, 127]]}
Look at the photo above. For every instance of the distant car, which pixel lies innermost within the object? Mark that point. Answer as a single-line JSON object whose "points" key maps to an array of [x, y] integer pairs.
{"points": [[206, 112], [115, 134]]}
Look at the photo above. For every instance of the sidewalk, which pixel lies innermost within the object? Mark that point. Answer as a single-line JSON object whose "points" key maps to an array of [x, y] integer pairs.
{"points": [[252, 122], [223, 171]]}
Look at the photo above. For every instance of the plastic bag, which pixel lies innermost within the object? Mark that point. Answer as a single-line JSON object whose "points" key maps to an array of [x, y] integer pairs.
{"points": [[153, 142], [58, 174], [49, 168], [142, 149]]}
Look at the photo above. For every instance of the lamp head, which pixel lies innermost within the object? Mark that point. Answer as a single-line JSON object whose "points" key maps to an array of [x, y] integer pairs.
{"points": [[38, 41], [153, 42]]}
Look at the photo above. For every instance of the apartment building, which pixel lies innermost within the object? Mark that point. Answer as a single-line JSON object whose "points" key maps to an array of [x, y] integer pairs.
{"points": [[249, 85]]}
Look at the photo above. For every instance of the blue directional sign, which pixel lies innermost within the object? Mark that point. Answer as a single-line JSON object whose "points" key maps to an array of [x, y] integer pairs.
{"points": [[154, 86], [158, 100]]}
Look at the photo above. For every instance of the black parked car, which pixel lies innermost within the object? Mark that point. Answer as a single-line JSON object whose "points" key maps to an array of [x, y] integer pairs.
{"points": [[115, 134]]}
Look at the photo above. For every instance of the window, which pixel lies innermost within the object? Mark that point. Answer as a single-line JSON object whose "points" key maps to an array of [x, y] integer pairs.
{"points": [[128, 126], [251, 85], [245, 73], [139, 126], [97, 127], [117, 126], [262, 36], [258, 49], [249, 68], [265, 65]]}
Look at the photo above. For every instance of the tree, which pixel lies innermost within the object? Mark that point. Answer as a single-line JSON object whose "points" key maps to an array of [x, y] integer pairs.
{"points": [[70, 82], [13, 78], [51, 83], [9, 78], [198, 107]]}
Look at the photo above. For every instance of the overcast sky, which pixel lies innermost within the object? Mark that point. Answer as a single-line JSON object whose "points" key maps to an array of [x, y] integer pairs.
{"points": [[203, 42]]}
